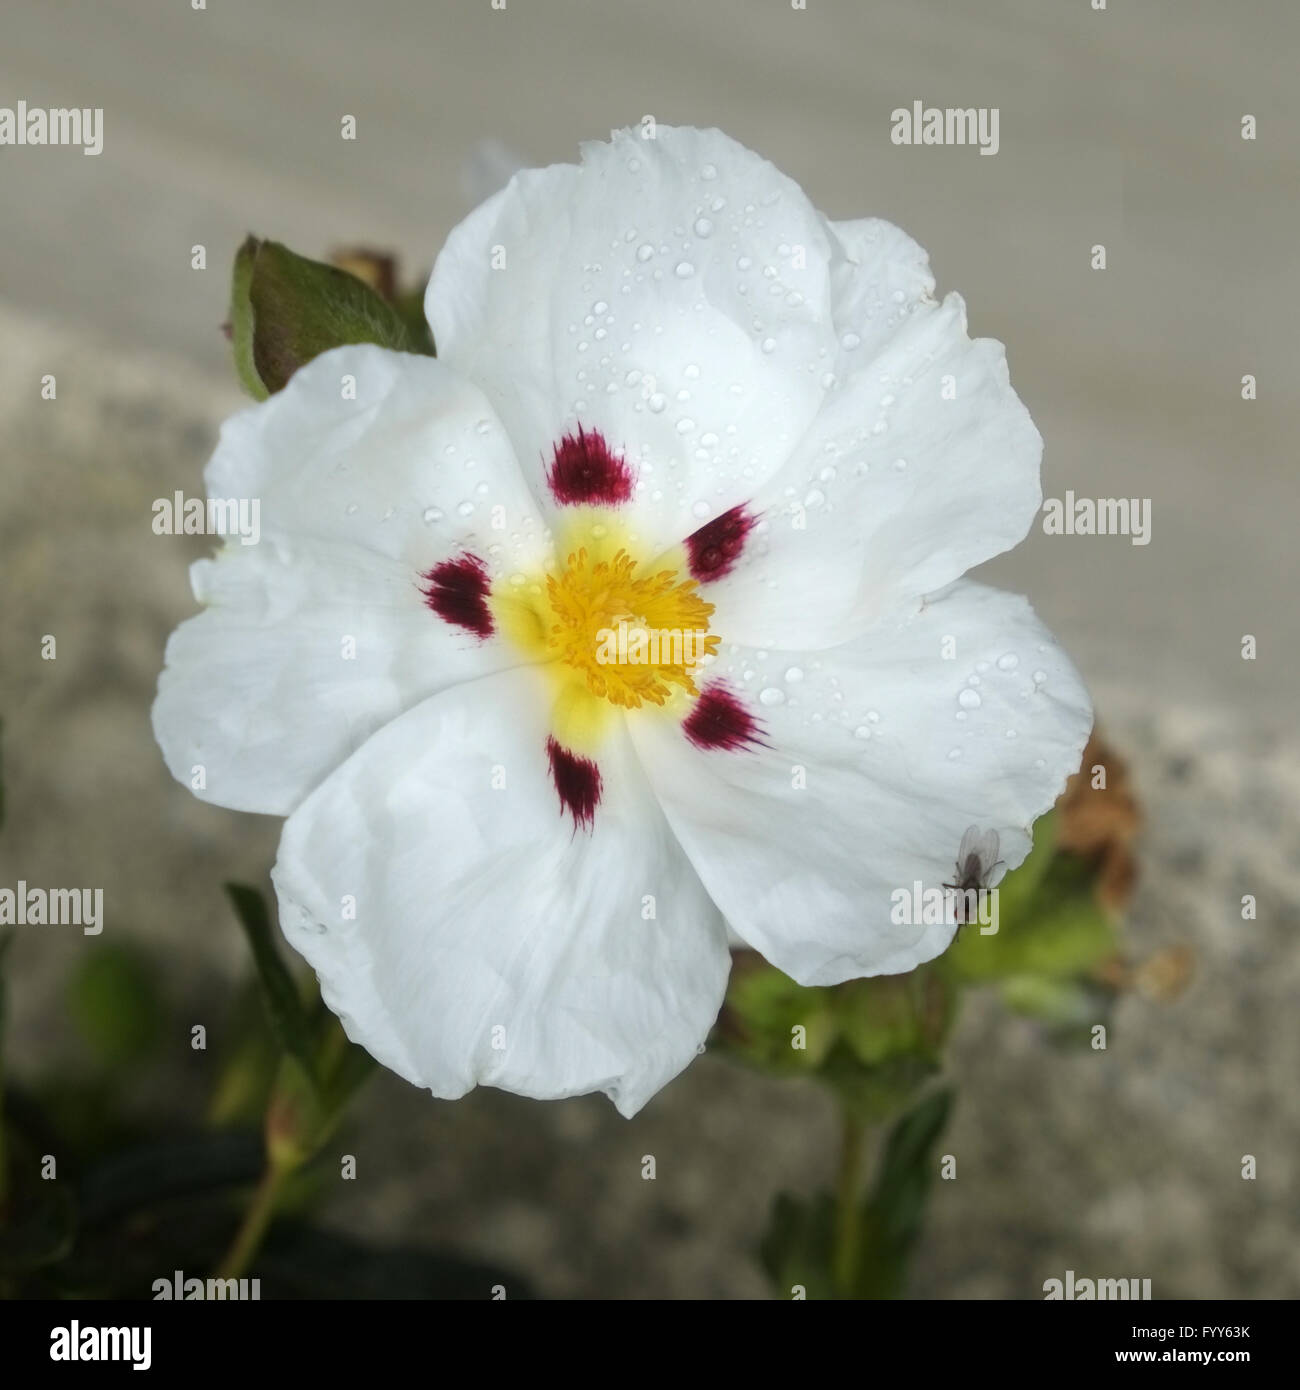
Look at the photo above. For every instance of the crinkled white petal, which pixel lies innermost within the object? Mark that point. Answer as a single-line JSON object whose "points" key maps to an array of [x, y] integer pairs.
{"points": [[673, 294], [318, 634], [921, 464], [880, 754], [465, 932]]}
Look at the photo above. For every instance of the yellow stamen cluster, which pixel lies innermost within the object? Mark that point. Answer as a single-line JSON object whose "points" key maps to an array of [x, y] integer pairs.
{"points": [[589, 599]]}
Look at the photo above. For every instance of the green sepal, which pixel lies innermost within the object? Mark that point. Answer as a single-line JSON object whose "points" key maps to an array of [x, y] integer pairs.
{"points": [[286, 309]]}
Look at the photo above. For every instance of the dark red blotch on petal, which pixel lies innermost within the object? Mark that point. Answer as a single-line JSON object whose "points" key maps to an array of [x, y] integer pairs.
{"points": [[577, 780], [586, 471], [714, 549], [457, 592], [719, 720]]}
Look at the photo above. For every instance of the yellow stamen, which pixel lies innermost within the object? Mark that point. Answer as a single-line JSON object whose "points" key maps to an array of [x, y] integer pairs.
{"points": [[614, 629]]}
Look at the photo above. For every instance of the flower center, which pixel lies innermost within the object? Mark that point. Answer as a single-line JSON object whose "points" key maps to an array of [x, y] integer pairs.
{"points": [[633, 638]]}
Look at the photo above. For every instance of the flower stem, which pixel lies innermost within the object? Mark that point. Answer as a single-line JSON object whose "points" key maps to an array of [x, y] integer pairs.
{"points": [[253, 1228], [847, 1216]]}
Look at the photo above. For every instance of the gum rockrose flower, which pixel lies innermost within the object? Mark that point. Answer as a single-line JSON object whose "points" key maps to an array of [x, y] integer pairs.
{"points": [[669, 397]]}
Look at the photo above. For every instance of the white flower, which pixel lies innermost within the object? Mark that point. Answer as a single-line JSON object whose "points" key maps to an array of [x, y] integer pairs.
{"points": [[668, 393]]}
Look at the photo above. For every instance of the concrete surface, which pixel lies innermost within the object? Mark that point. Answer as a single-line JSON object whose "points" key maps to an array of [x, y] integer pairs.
{"points": [[1120, 127]]}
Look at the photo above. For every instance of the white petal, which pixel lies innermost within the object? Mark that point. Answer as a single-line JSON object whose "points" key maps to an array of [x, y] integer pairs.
{"points": [[318, 634], [672, 294], [899, 487], [880, 754], [480, 908]]}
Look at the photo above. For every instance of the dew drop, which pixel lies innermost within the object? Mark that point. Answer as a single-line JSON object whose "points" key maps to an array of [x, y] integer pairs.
{"points": [[969, 699], [703, 227], [771, 696], [795, 673], [684, 270], [644, 251], [1009, 662], [431, 514]]}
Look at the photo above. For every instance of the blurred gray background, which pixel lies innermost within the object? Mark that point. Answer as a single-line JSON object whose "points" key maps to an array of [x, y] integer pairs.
{"points": [[1119, 127]]}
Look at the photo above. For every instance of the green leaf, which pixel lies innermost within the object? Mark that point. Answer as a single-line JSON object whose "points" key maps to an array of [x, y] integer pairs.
{"points": [[286, 309], [887, 1016], [797, 1248], [874, 1094], [1060, 930], [1069, 1009], [241, 319], [894, 1211], [772, 1023], [113, 998], [285, 1009]]}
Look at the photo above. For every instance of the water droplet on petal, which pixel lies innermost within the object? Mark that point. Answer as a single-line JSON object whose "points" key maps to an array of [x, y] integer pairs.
{"points": [[644, 251], [795, 673], [1009, 662], [771, 696], [431, 514], [684, 270], [969, 699], [703, 227]]}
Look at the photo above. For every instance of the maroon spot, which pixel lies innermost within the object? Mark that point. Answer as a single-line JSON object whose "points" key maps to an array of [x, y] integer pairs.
{"points": [[716, 546], [719, 720], [457, 592], [577, 780], [585, 470]]}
